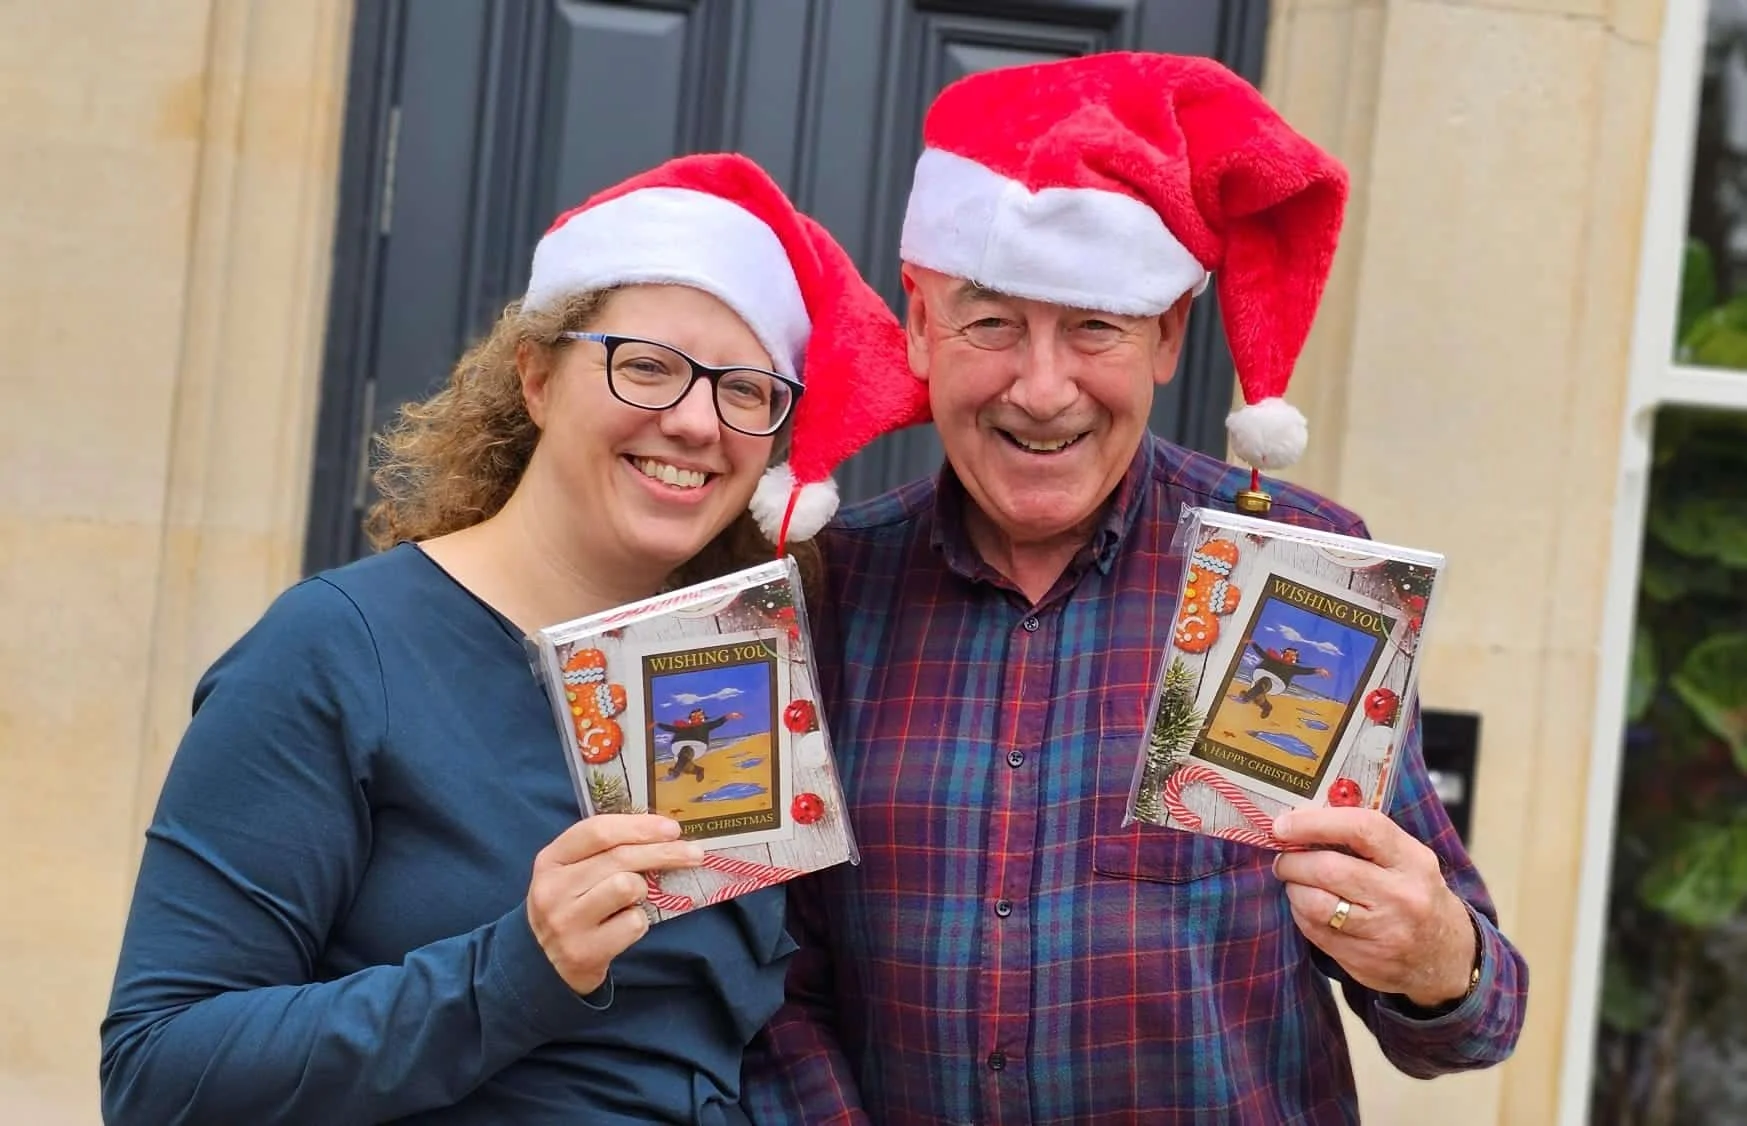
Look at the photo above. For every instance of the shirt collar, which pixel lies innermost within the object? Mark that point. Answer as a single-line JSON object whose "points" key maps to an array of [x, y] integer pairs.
{"points": [[952, 540]]}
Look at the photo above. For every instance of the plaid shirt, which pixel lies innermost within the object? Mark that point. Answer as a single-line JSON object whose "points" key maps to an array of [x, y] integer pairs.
{"points": [[1007, 953]]}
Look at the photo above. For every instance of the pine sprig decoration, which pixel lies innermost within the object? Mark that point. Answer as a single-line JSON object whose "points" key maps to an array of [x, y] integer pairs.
{"points": [[607, 793], [1174, 727]]}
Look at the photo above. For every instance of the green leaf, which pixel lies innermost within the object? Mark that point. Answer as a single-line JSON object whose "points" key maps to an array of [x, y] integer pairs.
{"points": [[1713, 682], [1666, 578], [1625, 1006], [1642, 687], [1698, 286], [1717, 337], [1703, 527], [1702, 880]]}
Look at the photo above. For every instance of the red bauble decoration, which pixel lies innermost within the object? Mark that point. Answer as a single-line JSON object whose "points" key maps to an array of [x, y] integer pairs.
{"points": [[800, 717], [1380, 705], [1345, 791], [807, 809]]}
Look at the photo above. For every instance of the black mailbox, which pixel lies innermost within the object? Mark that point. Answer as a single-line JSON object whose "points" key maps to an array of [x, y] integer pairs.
{"points": [[1452, 748]]}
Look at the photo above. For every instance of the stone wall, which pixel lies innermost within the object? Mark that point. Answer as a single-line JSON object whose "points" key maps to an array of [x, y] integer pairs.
{"points": [[1467, 388], [167, 181]]}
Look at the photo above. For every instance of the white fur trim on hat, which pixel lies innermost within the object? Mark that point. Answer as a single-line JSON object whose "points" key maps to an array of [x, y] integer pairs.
{"points": [[813, 508], [1084, 247], [677, 236], [1270, 434]]}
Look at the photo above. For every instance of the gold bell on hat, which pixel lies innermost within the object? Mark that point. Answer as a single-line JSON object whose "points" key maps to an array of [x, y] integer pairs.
{"points": [[1253, 500]]}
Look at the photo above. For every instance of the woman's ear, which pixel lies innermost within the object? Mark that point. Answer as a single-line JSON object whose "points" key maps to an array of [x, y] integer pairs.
{"points": [[534, 369]]}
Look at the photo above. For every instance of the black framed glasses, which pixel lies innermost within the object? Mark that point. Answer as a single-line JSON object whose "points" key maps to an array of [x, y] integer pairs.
{"points": [[656, 376]]}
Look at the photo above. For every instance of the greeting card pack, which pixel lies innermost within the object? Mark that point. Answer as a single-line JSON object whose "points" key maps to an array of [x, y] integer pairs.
{"points": [[702, 704], [1292, 660]]}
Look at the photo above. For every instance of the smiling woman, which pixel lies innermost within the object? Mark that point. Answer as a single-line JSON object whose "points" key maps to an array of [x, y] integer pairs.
{"points": [[366, 895], [457, 458]]}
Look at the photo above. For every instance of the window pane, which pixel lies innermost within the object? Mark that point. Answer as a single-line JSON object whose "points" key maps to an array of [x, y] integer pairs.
{"points": [[1711, 330], [1672, 1047]]}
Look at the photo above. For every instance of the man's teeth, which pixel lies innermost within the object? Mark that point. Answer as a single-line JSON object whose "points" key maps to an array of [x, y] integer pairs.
{"points": [[670, 474], [1043, 447]]}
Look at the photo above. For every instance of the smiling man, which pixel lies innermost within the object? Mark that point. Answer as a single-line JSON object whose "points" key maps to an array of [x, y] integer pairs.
{"points": [[1007, 951]]}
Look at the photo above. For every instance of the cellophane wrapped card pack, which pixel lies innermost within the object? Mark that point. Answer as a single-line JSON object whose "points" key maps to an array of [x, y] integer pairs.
{"points": [[1293, 662], [702, 704]]}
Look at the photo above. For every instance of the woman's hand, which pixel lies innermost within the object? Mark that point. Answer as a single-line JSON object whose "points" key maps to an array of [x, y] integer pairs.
{"points": [[585, 898]]}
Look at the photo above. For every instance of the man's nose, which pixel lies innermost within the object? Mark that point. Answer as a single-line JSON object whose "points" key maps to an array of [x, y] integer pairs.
{"points": [[1046, 385]]}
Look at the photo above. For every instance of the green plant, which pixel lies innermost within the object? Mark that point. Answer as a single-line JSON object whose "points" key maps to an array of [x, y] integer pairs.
{"points": [[608, 795], [1174, 726], [1679, 893]]}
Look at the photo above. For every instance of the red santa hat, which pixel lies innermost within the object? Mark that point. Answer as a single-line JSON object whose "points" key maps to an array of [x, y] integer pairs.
{"points": [[1119, 182], [717, 222]]}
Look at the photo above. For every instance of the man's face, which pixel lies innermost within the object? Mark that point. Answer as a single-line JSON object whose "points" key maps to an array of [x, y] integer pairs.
{"points": [[1040, 407]]}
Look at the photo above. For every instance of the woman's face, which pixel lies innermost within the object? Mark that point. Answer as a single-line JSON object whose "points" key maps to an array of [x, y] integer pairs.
{"points": [[652, 487]]}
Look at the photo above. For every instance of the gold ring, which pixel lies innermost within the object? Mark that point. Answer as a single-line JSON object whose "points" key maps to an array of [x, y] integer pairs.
{"points": [[1339, 918]]}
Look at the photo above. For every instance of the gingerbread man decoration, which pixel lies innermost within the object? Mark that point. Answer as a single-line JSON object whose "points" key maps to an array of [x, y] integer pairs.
{"points": [[593, 704], [1207, 596]]}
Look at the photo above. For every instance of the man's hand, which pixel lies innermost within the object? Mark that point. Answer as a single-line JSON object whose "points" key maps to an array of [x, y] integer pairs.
{"points": [[1406, 931]]}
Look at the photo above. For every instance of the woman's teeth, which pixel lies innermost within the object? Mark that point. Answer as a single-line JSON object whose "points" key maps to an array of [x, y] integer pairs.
{"points": [[670, 474]]}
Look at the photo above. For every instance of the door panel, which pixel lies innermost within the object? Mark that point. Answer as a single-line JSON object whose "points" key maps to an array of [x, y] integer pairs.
{"points": [[618, 86], [472, 123]]}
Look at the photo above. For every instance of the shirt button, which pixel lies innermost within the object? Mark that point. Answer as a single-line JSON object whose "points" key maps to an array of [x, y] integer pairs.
{"points": [[1030, 625], [1015, 758], [1003, 907], [997, 1060]]}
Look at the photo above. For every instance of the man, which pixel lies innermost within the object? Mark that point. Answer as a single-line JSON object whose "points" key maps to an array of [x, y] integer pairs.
{"points": [[1007, 951], [691, 740], [1275, 672]]}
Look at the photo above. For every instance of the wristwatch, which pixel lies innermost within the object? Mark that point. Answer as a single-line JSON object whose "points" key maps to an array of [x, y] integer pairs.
{"points": [[1479, 955]]}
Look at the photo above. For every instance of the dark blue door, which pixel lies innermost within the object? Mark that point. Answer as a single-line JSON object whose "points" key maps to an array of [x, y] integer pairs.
{"points": [[470, 123]]}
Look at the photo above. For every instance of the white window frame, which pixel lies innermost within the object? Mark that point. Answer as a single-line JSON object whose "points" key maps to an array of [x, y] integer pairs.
{"points": [[1655, 381]]}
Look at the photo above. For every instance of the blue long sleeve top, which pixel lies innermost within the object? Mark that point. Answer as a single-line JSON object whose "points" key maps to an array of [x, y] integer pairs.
{"points": [[329, 923]]}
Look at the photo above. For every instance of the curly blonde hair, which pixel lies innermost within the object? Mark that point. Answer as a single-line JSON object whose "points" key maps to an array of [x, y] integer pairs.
{"points": [[452, 460]]}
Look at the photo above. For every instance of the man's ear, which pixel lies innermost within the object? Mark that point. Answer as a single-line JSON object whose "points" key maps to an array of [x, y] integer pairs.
{"points": [[1173, 331], [915, 321], [534, 369]]}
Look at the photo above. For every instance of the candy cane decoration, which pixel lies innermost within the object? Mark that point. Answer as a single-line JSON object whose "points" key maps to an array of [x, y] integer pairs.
{"points": [[1189, 774], [755, 877], [665, 900]]}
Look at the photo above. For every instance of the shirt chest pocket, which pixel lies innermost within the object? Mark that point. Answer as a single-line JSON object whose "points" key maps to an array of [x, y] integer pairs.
{"points": [[1149, 852]]}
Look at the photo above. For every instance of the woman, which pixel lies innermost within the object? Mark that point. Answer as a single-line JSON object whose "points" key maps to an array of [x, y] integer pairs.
{"points": [[334, 920]]}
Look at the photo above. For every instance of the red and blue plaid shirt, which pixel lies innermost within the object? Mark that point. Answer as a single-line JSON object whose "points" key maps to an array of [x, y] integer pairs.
{"points": [[1007, 952]]}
